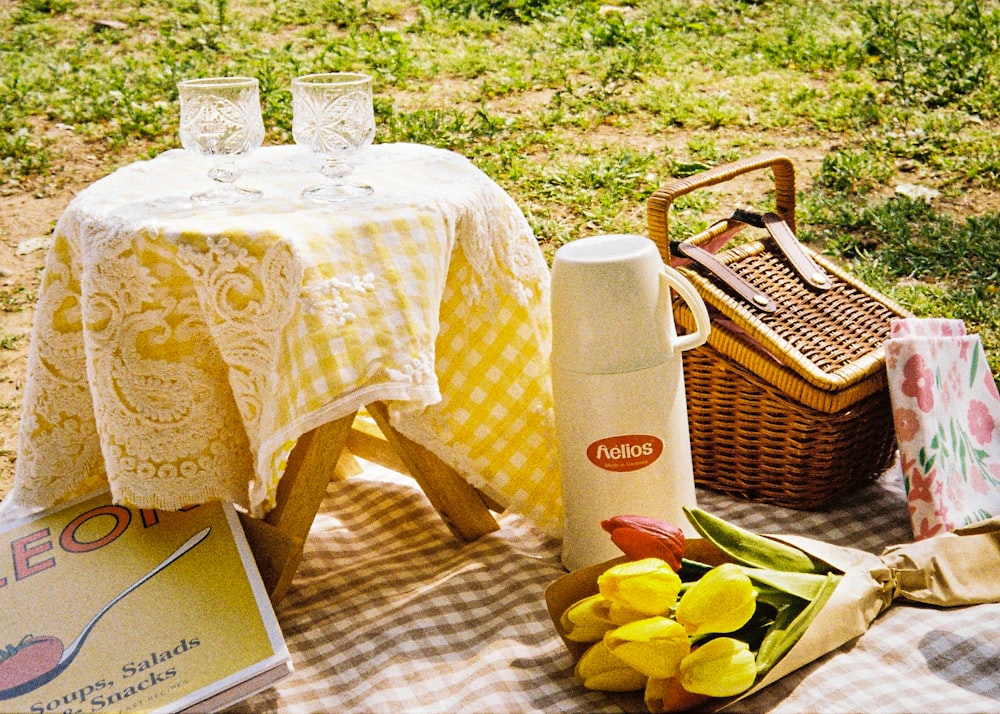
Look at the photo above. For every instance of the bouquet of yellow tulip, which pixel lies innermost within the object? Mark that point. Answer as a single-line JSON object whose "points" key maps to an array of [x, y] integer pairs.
{"points": [[676, 626]]}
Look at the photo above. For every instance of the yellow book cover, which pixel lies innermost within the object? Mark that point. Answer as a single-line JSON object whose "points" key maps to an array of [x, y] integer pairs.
{"points": [[108, 608]]}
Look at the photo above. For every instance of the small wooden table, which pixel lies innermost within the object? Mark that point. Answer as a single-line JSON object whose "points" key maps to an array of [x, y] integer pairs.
{"points": [[185, 353]]}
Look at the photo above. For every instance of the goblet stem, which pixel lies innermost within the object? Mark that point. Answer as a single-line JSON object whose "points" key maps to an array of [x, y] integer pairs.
{"points": [[338, 189], [336, 169], [226, 172]]}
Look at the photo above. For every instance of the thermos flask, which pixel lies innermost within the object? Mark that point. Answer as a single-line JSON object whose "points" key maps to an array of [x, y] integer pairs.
{"points": [[618, 389]]}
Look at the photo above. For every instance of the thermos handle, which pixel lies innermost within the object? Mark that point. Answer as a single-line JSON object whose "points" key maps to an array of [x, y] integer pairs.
{"points": [[670, 278]]}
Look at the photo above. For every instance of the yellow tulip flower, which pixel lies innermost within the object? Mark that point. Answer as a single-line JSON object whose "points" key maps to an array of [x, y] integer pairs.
{"points": [[599, 669], [622, 614], [723, 600], [654, 646], [723, 667], [588, 619], [648, 586]]}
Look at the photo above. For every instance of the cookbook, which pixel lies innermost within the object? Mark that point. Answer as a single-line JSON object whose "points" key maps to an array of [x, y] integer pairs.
{"points": [[109, 608]]}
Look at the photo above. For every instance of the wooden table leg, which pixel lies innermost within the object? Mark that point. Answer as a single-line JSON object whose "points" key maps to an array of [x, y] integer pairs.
{"points": [[461, 506], [319, 456], [278, 539]]}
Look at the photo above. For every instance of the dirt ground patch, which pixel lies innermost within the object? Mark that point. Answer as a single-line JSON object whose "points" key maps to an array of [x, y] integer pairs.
{"points": [[29, 212], [26, 223]]}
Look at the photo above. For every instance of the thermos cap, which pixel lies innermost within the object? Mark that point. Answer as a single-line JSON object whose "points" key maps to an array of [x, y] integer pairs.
{"points": [[608, 313]]}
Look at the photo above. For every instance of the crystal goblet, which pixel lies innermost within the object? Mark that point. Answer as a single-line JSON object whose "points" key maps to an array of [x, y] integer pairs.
{"points": [[333, 115], [221, 120]]}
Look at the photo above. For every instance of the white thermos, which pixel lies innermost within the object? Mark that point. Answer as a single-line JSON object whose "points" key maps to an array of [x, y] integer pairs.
{"points": [[618, 389]]}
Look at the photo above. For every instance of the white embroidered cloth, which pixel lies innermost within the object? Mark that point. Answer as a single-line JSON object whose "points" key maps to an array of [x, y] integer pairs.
{"points": [[180, 350]]}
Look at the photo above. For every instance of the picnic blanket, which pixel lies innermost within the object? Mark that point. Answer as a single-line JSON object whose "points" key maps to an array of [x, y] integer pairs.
{"points": [[389, 612]]}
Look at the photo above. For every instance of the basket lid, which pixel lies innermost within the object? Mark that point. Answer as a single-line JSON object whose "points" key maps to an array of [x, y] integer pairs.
{"points": [[831, 339]]}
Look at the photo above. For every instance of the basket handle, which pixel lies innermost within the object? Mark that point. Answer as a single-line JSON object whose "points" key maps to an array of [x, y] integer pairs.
{"points": [[658, 206]]}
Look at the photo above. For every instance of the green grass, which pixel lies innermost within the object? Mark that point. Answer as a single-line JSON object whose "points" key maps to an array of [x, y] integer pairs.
{"points": [[15, 300], [580, 109], [8, 342]]}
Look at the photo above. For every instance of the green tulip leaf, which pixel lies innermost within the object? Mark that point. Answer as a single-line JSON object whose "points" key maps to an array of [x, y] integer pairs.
{"points": [[749, 548], [789, 625], [804, 585]]}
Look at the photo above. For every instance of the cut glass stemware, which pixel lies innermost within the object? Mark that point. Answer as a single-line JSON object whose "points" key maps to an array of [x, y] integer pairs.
{"points": [[221, 120], [333, 115]]}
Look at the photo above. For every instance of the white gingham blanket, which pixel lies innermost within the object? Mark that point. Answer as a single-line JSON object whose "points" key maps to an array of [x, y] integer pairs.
{"points": [[390, 613]]}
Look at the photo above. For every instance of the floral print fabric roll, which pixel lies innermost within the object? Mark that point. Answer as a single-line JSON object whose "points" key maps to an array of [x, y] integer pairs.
{"points": [[946, 411]]}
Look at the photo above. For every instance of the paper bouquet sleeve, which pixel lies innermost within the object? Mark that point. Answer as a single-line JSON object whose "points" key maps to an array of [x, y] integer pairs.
{"points": [[950, 570]]}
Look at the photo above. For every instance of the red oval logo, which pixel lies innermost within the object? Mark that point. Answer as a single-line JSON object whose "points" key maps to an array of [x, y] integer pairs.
{"points": [[627, 452]]}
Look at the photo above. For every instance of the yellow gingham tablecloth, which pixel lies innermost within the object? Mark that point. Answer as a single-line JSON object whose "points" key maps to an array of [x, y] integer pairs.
{"points": [[179, 350]]}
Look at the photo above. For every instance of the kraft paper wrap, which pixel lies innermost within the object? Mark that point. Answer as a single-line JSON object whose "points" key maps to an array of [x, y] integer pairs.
{"points": [[949, 570]]}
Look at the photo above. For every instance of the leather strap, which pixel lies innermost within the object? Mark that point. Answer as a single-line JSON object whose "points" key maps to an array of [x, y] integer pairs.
{"points": [[713, 265], [787, 243], [804, 265], [784, 239]]}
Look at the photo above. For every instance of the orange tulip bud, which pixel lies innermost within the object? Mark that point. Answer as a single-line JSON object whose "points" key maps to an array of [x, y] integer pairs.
{"points": [[641, 537], [668, 695]]}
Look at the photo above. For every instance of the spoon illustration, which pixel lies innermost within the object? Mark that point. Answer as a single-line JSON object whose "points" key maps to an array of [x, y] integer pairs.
{"points": [[39, 660]]}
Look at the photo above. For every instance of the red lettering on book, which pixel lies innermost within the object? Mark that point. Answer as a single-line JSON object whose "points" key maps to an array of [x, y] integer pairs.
{"points": [[23, 567], [71, 544]]}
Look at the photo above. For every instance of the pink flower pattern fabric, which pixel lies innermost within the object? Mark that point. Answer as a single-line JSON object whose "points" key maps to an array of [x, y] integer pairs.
{"points": [[946, 411]]}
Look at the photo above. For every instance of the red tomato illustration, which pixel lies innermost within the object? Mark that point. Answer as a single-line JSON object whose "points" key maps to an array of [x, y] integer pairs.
{"points": [[32, 657]]}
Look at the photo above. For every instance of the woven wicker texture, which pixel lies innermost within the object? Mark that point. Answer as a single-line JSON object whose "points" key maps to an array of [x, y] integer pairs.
{"points": [[789, 407]]}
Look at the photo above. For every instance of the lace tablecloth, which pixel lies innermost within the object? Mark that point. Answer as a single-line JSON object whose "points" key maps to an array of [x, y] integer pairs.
{"points": [[390, 613], [179, 351]]}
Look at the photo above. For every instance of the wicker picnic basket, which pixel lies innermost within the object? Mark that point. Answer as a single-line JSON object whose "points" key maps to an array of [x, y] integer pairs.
{"points": [[788, 402]]}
